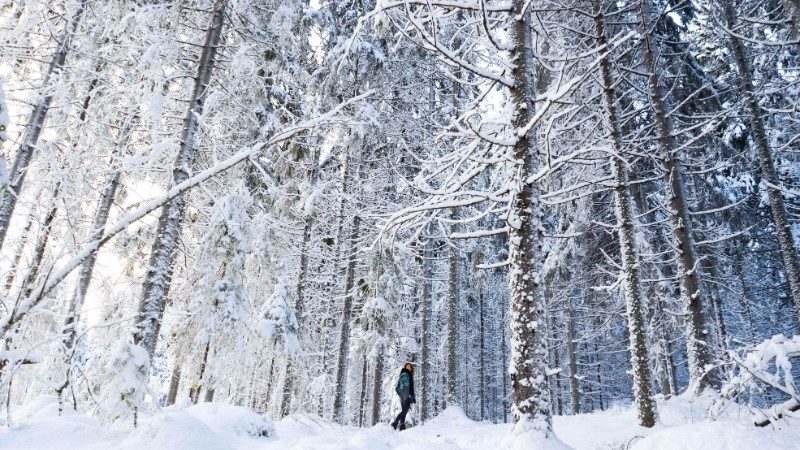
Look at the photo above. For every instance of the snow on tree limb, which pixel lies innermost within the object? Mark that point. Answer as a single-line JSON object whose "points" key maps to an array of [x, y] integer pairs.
{"points": [[56, 276]]}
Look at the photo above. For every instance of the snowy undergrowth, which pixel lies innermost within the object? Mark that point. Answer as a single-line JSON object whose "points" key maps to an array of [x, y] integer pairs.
{"points": [[682, 425]]}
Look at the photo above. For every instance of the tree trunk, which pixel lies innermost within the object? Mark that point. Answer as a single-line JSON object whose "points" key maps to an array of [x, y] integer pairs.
{"points": [[744, 299], [363, 403], [302, 274], [599, 377], [174, 383], [308, 225], [528, 368], [41, 244], [270, 383], [623, 208], [87, 268], [503, 363], [23, 241], [33, 129], [377, 381], [75, 306], [783, 230], [347, 313], [686, 259], [482, 357], [194, 392], [288, 385], [572, 363], [662, 357], [159, 272], [452, 319], [427, 274]]}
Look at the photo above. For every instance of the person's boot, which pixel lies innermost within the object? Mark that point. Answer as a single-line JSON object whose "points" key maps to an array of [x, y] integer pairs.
{"points": [[402, 426], [394, 424]]}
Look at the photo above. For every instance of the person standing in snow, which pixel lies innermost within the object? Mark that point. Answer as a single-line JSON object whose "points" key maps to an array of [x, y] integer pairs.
{"points": [[405, 389]]}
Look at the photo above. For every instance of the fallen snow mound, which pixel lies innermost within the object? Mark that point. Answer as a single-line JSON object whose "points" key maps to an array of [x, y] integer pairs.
{"points": [[201, 427], [708, 435], [229, 419]]}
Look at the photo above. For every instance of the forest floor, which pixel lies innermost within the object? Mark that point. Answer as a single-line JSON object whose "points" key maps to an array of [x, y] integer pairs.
{"points": [[215, 426]]}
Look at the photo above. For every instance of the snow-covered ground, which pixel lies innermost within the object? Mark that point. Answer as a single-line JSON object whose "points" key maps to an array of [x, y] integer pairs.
{"points": [[213, 426]]}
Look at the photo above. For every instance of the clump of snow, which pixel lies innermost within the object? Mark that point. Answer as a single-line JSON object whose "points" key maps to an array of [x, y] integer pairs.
{"points": [[38, 426], [767, 364], [232, 420], [709, 435], [130, 370], [279, 323], [200, 427], [175, 430]]}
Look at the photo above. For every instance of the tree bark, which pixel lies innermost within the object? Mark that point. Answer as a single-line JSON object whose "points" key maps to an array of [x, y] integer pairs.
{"points": [[363, 403], [174, 383], [528, 369], [503, 363], [377, 381]]}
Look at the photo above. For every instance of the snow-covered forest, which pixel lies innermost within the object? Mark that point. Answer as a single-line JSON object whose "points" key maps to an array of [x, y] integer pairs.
{"points": [[227, 212]]}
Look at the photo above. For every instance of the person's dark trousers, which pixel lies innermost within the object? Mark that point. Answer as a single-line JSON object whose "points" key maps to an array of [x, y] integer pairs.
{"points": [[404, 407]]}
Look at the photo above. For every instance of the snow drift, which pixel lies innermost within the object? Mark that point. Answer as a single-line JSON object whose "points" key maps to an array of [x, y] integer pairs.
{"points": [[683, 425]]}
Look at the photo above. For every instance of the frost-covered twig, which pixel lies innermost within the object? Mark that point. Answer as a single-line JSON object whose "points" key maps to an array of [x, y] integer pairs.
{"points": [[755, 366]]}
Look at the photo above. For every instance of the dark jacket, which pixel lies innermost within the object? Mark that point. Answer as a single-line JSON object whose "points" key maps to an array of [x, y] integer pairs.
{"points": [[405, 386]]}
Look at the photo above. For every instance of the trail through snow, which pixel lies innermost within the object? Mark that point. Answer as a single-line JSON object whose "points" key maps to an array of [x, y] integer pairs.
{"points": [[224, 427]]}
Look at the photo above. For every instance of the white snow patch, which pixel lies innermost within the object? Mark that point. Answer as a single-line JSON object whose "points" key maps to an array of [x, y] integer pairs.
{"points": [[683, 425]]}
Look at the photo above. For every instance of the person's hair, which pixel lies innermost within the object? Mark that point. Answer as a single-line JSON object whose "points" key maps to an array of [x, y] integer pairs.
{"points": [[409, 366]]}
